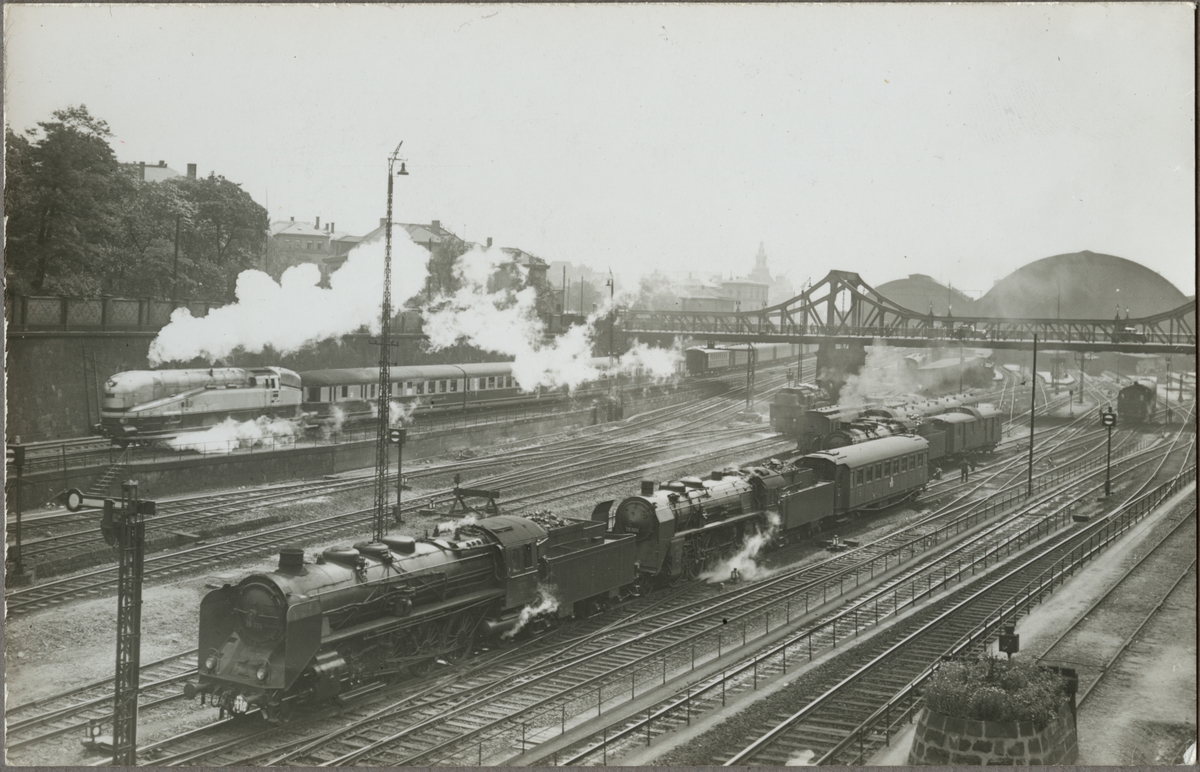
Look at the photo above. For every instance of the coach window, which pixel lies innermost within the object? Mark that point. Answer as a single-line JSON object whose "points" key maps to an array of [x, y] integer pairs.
{"points": [[491, 383], [420, 387], [879, 471], [345, 392], [869, 477], [887, 468], [374, 386], [858, 477], [454, 385]]}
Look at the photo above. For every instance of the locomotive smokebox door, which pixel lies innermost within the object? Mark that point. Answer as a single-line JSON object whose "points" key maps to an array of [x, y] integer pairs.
{"points": [[1010, 641]]}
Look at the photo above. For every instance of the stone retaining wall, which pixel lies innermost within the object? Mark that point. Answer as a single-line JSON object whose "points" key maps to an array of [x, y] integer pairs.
{"points": [[942, 740]]}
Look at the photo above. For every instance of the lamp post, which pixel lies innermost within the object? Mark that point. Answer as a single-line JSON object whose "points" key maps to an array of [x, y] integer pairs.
{"points": [[385, 344], [1032, 411]]}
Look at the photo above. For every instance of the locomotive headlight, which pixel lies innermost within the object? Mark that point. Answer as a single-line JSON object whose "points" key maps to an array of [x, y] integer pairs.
{"points": [[211, 662], [264, 670]]}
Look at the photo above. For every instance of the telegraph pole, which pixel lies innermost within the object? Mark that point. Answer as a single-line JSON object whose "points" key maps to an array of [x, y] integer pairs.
{"points": [[385, 344], [15, 455], [126, 530], [1032, 411], [612, 317]]}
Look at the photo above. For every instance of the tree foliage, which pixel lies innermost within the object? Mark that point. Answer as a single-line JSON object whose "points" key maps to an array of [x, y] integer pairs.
{"points": [[992, 689], [81, 224]]}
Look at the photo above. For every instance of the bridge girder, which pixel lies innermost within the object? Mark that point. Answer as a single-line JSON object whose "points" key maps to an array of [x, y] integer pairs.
{"points": [[842, 307]]}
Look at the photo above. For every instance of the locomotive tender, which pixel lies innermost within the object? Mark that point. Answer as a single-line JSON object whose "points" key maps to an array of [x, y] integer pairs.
{"points": [[1136, 402], [314, 630]]}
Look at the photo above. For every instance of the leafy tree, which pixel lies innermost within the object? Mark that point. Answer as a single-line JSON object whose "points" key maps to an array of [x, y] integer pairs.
{"points": [[61, 198], [654, 294], [442, 279], [80, 224], [228, 233]]}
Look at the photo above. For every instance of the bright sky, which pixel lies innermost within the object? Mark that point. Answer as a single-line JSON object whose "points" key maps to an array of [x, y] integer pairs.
{"points": [[957, 141]]}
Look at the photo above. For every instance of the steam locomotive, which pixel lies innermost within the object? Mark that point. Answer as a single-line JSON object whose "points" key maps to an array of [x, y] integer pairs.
{"points": [[310, 630], [162, 403], [1136, 402]]}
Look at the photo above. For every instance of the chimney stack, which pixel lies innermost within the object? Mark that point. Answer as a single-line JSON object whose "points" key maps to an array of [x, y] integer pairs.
{"points": [[489, 246], [318, 225], [191, 171], [437, 225], [293, 219], [162, 164], [142, 170], [331, 226]]}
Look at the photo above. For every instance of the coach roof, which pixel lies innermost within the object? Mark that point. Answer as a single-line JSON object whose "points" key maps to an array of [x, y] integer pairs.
{"points": [[862, 454]]}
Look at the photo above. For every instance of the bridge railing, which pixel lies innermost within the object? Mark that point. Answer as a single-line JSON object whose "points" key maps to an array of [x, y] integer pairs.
{"points": [[31, 313]]}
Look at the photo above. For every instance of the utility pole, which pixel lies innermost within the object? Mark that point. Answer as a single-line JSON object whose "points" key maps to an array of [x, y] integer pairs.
{"points": [[749, 375], [15, 455], [385, 344], [1032, 411], [397, 437], [126, 530], [612, 318]]}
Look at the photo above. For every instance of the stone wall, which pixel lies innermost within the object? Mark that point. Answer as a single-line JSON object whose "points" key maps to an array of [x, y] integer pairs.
{"points": [[942, 740]]}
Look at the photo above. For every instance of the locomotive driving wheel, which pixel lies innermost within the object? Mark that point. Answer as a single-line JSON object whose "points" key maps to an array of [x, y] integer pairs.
{"points": [[692, 562], [460, 637]]}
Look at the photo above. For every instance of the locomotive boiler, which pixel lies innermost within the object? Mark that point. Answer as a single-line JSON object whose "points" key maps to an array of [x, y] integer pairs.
{"points": [[312, 630]]}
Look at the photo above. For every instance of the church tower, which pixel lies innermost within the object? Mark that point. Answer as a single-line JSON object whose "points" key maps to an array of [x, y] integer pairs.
{"points": [[761, 272]]}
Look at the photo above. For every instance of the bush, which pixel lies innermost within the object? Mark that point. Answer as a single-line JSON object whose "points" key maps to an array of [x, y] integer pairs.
{"points": [[992, 689]]}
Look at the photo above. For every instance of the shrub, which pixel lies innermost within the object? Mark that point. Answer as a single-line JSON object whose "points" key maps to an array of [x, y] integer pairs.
{"points": [[992, 689]]}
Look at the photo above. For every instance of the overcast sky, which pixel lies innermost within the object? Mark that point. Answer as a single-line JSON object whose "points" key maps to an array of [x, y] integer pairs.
{"points": [[957, 141]]}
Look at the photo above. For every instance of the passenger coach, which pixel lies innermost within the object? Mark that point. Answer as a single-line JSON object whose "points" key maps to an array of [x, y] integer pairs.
{"points": [[874, 474]]}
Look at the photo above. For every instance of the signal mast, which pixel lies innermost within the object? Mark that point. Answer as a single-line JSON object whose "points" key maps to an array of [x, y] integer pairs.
{"points": [[385, 344]]}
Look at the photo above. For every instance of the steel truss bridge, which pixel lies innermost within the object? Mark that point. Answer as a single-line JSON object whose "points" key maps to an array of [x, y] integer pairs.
{"points": [[842, 308]]}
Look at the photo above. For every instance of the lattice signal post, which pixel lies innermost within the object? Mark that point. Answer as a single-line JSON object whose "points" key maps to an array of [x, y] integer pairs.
{"points": [[385, 344], [125, 529]]}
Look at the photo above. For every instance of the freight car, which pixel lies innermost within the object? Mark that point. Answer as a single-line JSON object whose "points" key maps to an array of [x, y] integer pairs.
{"points": [[1136, 402], [313, 630], [144, 405], [706, 360]]}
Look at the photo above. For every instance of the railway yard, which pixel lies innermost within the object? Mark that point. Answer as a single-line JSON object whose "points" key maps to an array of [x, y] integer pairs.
{"points": [[812, 652]]}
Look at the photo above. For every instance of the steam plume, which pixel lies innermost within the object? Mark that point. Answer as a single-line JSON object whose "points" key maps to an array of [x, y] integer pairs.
{"points": [[746, 558], [488, 313], [231, 434], [294, 312]]}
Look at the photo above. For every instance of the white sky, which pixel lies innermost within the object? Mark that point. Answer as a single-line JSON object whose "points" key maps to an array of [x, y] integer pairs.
{"points": [[957, 141]]}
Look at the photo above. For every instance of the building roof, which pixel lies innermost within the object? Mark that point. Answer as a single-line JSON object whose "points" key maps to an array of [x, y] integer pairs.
{"points": [[293, 228], [154, 172], [524, 258]]}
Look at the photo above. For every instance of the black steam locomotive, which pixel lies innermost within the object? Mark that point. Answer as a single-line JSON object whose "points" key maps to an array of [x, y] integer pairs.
{"points": [[314, 629], [1136, 402]]}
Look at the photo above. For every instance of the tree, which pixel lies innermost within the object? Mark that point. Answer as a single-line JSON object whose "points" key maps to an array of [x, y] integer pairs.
{"points": [[228, 233], [80, 224], [442, 279], [654, 294], [61, 198]]}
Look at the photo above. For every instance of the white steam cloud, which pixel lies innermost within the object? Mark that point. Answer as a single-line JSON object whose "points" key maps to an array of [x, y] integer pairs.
{"points": [[294, 312], [546, 603], [231, 434], [490, 312], [883, 374], [401, 413], [746, 558]]}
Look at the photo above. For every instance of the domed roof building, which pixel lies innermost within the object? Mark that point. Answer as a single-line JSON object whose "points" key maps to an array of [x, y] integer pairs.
{"points": [[1080, 285]]}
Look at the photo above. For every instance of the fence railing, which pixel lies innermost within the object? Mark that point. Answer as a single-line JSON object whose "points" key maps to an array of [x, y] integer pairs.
{"points": [[903, 706]]}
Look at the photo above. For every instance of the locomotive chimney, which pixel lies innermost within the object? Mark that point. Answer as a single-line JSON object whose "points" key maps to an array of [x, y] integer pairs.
{"points": [[648, 487], [291, 560]]}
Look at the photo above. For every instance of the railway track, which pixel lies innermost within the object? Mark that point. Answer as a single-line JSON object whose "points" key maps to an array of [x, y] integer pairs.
{"points": [[409, 739], [849, 718]]}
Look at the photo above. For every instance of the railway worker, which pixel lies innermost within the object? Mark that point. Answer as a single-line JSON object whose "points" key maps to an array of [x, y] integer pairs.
{"points": [[965, 471], [735, 575]]}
